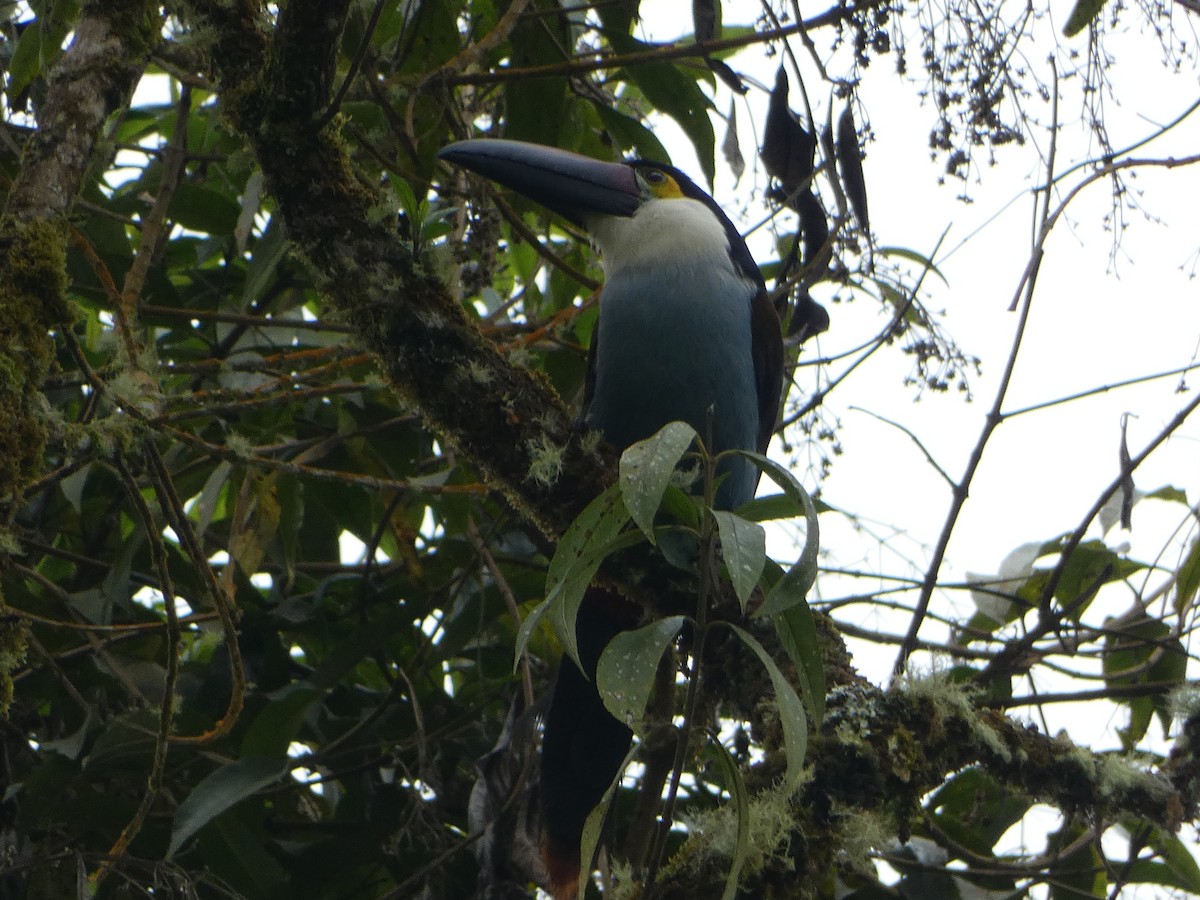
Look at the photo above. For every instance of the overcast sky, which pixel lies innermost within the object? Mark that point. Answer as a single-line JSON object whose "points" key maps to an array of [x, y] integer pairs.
{"points": [[1102, 313]]}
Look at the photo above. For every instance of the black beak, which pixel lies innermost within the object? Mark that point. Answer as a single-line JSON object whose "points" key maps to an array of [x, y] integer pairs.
{"points": [[574, 186]]}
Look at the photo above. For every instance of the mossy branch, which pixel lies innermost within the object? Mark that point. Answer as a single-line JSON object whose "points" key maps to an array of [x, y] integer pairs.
{"points": [[275, 87], [879, 755]]}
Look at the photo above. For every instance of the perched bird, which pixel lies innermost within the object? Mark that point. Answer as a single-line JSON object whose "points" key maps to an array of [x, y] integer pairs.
{"points": [[686, 333]]}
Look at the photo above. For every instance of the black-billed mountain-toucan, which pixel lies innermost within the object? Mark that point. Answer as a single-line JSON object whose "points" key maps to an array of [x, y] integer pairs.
{"points": [[687, 333]]}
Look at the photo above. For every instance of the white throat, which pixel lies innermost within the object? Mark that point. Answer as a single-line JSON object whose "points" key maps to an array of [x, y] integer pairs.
{"points": [[678, 230]]}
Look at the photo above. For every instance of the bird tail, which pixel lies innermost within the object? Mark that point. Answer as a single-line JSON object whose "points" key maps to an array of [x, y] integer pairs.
{"points": [[583, 746]]}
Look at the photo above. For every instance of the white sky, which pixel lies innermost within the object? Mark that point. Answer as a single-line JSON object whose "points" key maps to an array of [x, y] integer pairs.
{"points": [[1101, 314], [1096, 319]]}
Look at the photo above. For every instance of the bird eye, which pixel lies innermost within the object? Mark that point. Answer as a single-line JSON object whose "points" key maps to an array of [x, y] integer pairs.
{"points": [[653, 176]]}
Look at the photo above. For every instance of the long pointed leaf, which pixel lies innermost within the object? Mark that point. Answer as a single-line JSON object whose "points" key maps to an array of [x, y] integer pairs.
{"points": [[595, 821], [646, 469], [568, 595], [625, 673], [222, 789], [744, 546], [741, 804], [791, 711]]}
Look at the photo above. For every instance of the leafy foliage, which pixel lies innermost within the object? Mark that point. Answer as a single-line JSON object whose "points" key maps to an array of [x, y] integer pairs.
{"points": [[261, 578]]}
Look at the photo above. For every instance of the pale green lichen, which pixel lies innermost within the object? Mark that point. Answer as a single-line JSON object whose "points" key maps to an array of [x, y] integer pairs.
{"points": [[714, 833], [1118, 775], [134, 389], [520, 356], [10, 544], [1184, 702], [623, 887], [13, 646], [852, 709], [479, 373], [858, 832], [545, 460], [239, 445], [953, 701], [589, 443]]}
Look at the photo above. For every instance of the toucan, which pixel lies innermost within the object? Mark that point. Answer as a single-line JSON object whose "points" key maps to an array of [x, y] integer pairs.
{"points": [[686, 332]]}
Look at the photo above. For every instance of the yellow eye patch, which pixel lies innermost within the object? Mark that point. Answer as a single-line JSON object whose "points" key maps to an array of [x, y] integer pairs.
{"points": [[661, 184]]}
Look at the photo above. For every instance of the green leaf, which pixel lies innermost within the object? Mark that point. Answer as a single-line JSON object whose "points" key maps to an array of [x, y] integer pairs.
{"points": [[1139, 649], [595, 821], [220, 790], [536, 108], [1178, 859], [791, 711], [568, 594], [626, 671], [1187, 579], [646, 469], [618, 18], [1170, 494], [797, 632], [1091, 566], [793, 588], [600, 521], [1082, 15], [913, 256], [592, 536], [630, 134], [677, 95], [525, 633], [269, 250], [976, 809], [238, 851], [773, 507], [686, 509], [791, 487], [744, 546], [1081, 872], [204, 209], [26, 60], [736, 785], [276, 726]]}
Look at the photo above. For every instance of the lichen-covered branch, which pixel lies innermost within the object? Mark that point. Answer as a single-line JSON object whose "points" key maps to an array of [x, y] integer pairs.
{"points": [[506, 419], [880, 753], [93, 79]]}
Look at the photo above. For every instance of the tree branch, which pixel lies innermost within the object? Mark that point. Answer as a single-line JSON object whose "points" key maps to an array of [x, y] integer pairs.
{"points": [[506, 419], [94, 78]]}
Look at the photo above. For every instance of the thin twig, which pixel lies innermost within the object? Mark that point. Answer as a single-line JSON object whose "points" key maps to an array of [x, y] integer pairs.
{"points": [[1046, 621], [510, 601], [657, 53], [174, 161], [355, 64], [173, 509], [912, 437], [1102, 389], [166, 710]]}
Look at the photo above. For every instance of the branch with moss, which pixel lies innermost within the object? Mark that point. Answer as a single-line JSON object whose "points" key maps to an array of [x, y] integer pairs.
{"points": [[94, 78], [881, 752], [505, 418]]}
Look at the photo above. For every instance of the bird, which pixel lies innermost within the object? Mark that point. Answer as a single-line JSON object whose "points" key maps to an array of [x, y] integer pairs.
{"points": [[686, 332]]}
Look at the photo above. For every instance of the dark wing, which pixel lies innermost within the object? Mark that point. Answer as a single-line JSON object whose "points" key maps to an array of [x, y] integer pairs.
{"points": [[589, 378], [767, 349]]}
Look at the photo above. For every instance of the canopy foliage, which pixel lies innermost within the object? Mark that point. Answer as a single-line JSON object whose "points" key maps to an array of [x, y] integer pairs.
{"points": [[286, 451]]}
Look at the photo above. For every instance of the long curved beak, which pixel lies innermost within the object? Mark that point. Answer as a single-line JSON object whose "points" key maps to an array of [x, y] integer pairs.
{"points": [[576, 187]]}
